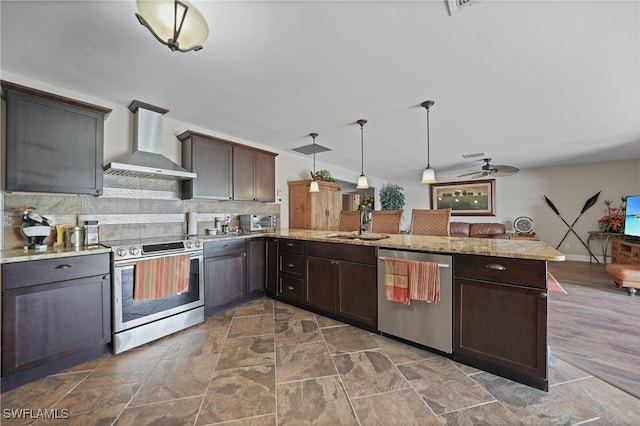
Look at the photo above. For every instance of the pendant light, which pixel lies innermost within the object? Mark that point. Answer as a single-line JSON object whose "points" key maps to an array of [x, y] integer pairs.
{"points": [[314, 184], [428, 175], [362, 180], [175, 23]]}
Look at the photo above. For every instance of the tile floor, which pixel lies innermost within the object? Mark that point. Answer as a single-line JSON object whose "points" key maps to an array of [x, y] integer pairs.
{"points": [[268, 363]]}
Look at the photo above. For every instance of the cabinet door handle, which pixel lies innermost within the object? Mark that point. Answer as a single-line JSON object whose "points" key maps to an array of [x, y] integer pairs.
{"points": [[543, 294], [496, 267], [63, 266], [290, 265], [290, 288], [289, 244], [226, 246], [105, 277]]}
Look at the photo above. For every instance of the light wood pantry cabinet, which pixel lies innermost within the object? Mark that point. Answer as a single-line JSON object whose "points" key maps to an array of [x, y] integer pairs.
{"points": [[314, 210]]}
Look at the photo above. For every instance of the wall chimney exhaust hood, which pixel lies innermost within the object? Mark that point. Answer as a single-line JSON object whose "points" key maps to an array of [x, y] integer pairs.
{"points": [[146, 160]]}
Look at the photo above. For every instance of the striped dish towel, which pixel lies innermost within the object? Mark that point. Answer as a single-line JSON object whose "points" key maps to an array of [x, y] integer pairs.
{"points": [[396, 280], [158, 278], [424, 281]]}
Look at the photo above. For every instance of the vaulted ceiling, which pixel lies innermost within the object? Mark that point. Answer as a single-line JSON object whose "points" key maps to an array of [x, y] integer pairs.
{"points": [[528, 83]]}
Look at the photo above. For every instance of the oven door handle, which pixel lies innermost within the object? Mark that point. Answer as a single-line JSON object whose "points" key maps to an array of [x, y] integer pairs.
{"points": [[132, 262]]}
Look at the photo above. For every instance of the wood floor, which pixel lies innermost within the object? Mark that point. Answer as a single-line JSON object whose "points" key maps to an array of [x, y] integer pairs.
{"points": [[596, 326]]}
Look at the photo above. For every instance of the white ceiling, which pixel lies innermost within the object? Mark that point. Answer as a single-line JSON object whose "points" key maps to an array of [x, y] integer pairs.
{"points": [[530, 83]]}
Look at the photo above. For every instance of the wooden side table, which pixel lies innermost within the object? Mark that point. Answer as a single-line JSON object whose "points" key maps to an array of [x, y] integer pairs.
{"points": [[605, 238]]}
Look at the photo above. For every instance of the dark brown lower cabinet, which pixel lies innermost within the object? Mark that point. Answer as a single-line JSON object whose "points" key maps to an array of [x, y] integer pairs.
{"points": [[49, 326], [256, 269], [321, 283], [342, 281], [357, 293], [501, 327], [271, 266], [225, 274]]}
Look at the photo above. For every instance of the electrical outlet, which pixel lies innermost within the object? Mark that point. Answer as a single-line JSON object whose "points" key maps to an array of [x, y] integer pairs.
{"points": [[567, 246]]}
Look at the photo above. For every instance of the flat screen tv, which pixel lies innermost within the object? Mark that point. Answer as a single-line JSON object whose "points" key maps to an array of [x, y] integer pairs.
{"points": [[632, 219]]}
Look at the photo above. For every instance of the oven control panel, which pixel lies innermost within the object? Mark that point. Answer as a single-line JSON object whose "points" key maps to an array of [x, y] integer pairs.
{"points": [[140, 251]]}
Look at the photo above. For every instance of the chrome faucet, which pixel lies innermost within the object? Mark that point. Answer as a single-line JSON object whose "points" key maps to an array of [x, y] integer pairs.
{"points": [[363, 214]]}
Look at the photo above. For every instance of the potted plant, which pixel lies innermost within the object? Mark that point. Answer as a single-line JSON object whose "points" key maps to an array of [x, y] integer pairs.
{"points": [[613, 221], [391, 197], [323, 175]]}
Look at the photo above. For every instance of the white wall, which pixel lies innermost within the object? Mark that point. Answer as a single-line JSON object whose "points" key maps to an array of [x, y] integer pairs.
{"points": [[568, 187], [118, 142], [518, 195]]}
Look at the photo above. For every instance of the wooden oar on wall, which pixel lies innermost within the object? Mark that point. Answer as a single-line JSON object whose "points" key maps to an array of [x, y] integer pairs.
{"points": [[587, 205]]}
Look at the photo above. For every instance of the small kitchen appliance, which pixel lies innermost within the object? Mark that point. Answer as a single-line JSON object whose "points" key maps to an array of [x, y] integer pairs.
{"points": [[257, 223], [34, 229]]}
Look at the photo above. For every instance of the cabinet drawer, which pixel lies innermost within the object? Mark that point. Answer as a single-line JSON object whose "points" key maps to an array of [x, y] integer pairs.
{"points": [[532, 273], [292, 264], [23, 274], [222, 248], [292, 288], [347, 252], [292, 246]]}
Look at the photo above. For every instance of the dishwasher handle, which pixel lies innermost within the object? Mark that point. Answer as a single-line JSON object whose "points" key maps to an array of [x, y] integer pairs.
{"points": [[440, 265]]}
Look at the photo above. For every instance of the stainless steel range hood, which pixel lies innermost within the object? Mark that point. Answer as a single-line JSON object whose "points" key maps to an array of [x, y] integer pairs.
{"points": [[146, 160]]}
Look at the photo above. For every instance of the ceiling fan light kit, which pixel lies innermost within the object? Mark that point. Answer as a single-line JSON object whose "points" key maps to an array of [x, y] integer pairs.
{"points": [[175, 23], [362, 180], [428, 174]]}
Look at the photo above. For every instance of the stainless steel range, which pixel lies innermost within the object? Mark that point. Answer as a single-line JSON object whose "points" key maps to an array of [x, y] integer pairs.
{"points": [[138, 320]]}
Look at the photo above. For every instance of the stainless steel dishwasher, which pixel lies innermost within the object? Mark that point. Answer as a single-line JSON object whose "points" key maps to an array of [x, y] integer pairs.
{"points": [[428, 324]]}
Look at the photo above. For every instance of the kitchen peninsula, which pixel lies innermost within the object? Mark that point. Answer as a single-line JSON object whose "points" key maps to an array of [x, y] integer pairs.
{"points": [[499, 312], [499, 288]]}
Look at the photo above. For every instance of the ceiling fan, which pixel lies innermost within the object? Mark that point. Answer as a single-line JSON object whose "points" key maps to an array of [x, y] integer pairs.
{"points": [[489, 169]]}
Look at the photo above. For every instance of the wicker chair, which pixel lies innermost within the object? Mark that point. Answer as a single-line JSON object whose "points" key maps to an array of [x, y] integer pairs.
{"points": [[430, 222], [349, 220], [386, 221]]}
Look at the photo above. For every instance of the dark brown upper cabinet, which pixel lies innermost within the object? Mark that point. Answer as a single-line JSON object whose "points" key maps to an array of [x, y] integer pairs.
{"points": [[54, 144], [226, 170], [212, 160], [254, 176]]}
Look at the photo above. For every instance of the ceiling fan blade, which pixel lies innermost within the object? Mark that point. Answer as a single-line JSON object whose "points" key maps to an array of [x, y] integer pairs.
{"points": [[482, 174], [467, 174], [502, 170]]}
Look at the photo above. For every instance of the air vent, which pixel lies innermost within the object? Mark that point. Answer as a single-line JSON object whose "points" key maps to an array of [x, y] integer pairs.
{"points": [[308, 149], [456, 6]]}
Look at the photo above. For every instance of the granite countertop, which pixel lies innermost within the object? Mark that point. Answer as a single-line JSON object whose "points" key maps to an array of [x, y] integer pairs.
{"points": [[536, 250], [22, 255]]}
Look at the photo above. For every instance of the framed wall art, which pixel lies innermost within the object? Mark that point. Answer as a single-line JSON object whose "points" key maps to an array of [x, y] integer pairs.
{"points": [[465, 198]]}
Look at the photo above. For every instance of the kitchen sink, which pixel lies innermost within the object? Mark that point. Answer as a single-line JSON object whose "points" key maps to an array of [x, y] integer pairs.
{"points": [[364, 237]]}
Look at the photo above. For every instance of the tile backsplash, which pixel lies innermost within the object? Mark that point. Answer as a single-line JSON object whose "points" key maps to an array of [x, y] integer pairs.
{"points": [[129, 208]]}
